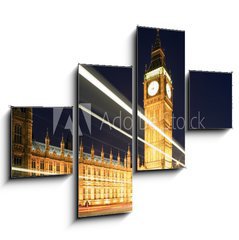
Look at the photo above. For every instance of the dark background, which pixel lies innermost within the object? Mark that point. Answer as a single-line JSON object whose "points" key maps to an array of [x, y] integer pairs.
{"points": [[173, 45], [43, 120], [211, 95], [119, 80]]}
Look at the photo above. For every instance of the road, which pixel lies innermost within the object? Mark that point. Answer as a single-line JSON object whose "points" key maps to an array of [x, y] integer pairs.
{"points": [[104, 209]]}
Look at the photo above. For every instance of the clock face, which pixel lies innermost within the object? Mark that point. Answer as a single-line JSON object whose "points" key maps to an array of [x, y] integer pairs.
{"points": [[153, 88], [168, 91]]}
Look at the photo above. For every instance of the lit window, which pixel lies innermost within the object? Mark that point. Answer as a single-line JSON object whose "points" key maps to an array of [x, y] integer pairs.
{"points": [[89, 193], [58, 167], [42, 165], [83, 193], [33, 164], [50, 166]]}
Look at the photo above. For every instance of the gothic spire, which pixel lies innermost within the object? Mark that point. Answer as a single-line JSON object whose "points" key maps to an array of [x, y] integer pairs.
{"points": [[47, 135], [157, 55], [62, 138], [157, 43]]}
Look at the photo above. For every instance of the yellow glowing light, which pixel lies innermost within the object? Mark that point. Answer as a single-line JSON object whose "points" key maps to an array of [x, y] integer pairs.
{"points": [[158, 71], [159, 150], [93, 80], [33, 171], [105, 180]]}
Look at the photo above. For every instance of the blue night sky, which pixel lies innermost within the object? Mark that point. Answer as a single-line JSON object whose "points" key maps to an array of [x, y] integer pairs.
{"points": [[211, 95], [43, 120]]}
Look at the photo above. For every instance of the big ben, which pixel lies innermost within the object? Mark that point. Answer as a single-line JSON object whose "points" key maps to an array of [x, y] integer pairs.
{"points": [[158, 108]]}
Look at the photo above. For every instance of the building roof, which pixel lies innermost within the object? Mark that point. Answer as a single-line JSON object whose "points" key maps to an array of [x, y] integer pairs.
{"points": [[41, 146], [98, 159]]}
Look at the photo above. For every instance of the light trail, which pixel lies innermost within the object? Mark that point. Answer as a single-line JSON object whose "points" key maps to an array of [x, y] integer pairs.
{"points": [[126, 134], [93, 80], [102, 179], [103, 120], [33, 171], [159, 150]]}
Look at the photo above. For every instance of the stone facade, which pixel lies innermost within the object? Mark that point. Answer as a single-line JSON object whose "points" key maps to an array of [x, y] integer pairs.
{"points": [[32, 158]]}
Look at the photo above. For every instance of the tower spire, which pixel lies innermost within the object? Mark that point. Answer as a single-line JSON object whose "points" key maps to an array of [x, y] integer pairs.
{"points": [[125, 163], [157, 43], [128, 157], [62, 145], [92, 151], [102, 154], [157, 55], [81, 150], [118, 158], [47, 142], [111, 156]]}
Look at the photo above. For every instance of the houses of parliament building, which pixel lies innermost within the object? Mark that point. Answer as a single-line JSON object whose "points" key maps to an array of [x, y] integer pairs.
{"points": [[33, 158], [104, 181]]}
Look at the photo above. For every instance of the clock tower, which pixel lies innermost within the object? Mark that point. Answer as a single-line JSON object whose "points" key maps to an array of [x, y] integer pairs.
{"points": [[158, 108]]}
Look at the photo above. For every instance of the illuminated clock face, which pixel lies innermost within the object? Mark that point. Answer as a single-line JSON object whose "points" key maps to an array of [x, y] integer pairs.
{"points": [[153, 88], [168, 91]]}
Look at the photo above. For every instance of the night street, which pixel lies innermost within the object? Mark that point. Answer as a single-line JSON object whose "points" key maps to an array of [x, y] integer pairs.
{"points": [[103, 210]]}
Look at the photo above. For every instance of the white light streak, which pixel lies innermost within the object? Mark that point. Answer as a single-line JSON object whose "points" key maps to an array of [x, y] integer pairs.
{"points": [[104, 121], [92, 79], [102, 179], [126, 134], [33, 171], [146, 120], [159, 150]]}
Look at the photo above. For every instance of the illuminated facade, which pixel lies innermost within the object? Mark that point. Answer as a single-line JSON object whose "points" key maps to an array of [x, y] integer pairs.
{"points": [[158, 108], [104, 181], [32, 158]]}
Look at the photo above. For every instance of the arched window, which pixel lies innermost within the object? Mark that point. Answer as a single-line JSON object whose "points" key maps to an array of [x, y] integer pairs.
{"points": [[18, 134], [34, 164], [17, 161], [42, 165]]}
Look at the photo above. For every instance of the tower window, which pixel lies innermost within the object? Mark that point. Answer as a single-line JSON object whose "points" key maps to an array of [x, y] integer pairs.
{"points": [[33, 164], [84, 194], [42, 165], [18, 134], [58, 167], [65, 168], [50, 166], [17, 161]]}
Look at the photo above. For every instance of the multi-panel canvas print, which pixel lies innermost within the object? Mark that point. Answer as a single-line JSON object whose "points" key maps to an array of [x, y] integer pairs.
{"points": [[41, 141], [105, 140], [210, 100], [161, 99]]}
